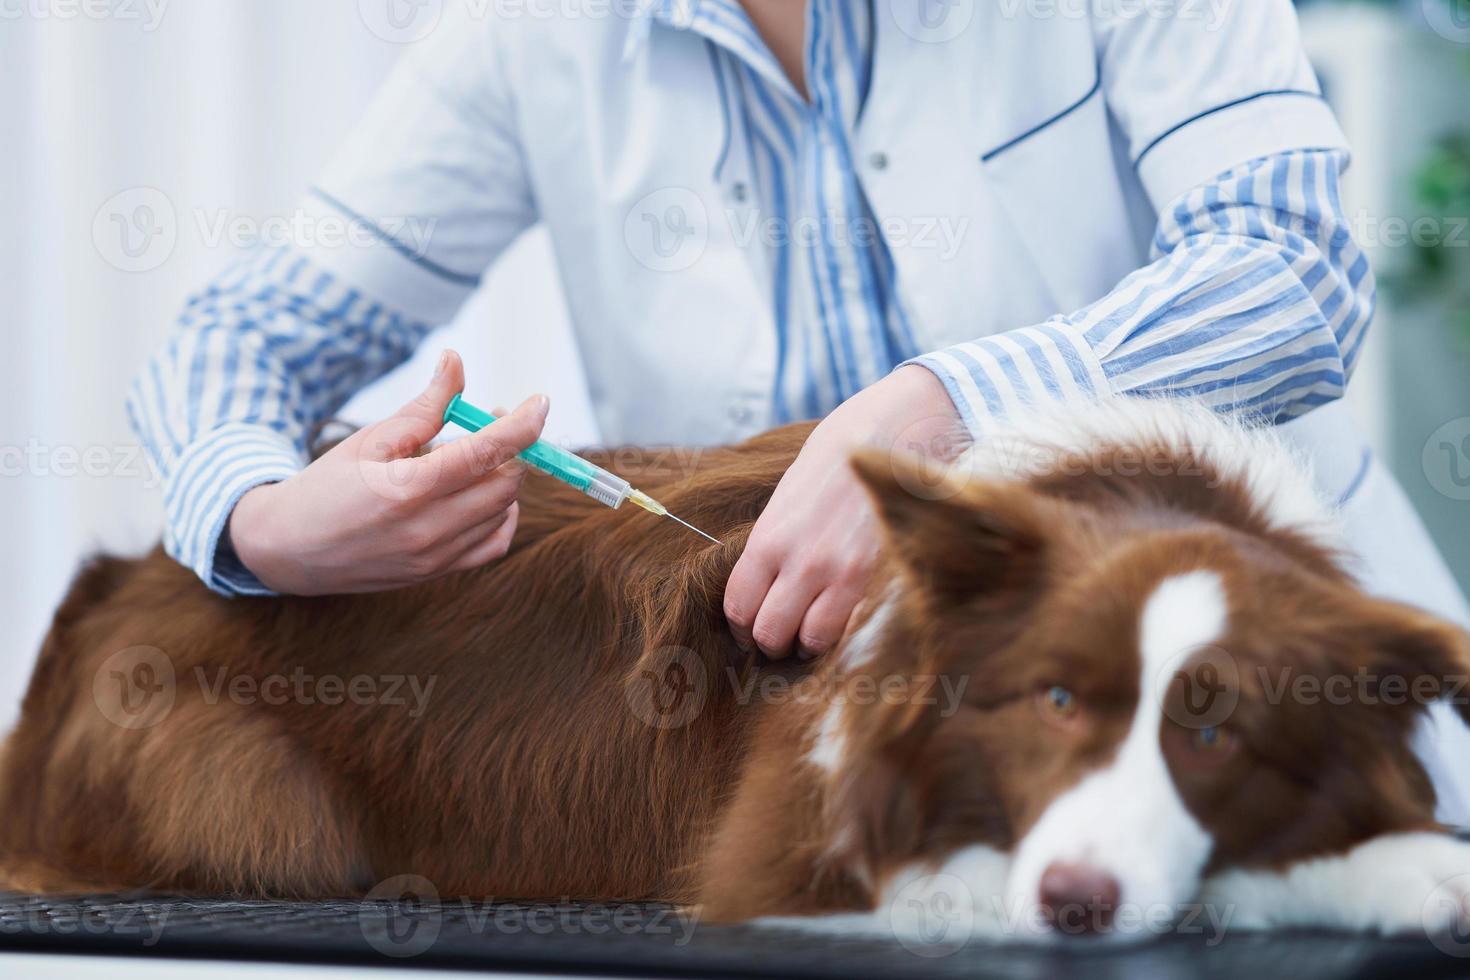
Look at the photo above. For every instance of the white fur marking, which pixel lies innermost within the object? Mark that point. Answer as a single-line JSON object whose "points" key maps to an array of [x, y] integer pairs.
{"points": [[863, 645], [1127, 819], [1395, 884], [1277, 476], [927, 908], [831, 744]]}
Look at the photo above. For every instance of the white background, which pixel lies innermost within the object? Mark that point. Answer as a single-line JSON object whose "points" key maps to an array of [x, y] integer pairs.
{"points": [[228, 108]]}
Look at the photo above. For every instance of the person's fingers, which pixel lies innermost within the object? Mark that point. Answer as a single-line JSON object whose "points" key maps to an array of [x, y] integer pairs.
{"points": [[781, 614], [746, 588], [468, 539], [429, 547], [478, 502], [468, 460], [411, 428], [826, 620], [495, 546]]}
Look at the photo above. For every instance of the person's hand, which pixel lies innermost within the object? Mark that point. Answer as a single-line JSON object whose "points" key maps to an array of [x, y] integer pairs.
{"points": [[813, 548], [372, 514]]}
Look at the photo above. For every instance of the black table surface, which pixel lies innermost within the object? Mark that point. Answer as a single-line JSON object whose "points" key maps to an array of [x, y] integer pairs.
{"points": [[641, 939]]}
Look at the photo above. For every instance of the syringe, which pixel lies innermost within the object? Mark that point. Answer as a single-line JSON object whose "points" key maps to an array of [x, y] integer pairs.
{"points": [[571, 469]]}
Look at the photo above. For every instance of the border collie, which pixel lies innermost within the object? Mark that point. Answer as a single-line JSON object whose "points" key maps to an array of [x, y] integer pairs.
{"points": [[1111, 668]]}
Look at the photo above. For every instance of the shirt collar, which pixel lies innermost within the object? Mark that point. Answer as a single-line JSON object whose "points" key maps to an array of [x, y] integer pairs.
{"points": [[723, 22]]}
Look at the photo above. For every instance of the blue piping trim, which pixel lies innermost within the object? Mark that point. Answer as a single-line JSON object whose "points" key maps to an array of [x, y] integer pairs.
{"points": [[1358, 480], [1220, 108], [719, 72], [458, 278], [865, 82], [1096, 87]]}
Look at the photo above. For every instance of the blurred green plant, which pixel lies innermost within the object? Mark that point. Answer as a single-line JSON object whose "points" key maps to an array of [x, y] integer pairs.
{"points": [[1434, 268], [1438, 267]]}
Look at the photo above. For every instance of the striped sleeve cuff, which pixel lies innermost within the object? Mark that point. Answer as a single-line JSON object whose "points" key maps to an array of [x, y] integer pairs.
{"points": [[997, 377], [206, 482]]}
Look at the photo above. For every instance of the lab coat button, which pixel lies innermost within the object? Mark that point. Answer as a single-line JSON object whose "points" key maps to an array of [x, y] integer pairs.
{"points": [[738, 192], [740, 413], [878, 161]]}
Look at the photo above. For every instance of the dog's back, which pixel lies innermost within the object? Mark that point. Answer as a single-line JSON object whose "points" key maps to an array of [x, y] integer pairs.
{"points": [[177, 740]]}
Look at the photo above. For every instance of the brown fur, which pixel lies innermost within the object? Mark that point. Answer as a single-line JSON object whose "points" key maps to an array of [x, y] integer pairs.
{"points": [[536, 773]]}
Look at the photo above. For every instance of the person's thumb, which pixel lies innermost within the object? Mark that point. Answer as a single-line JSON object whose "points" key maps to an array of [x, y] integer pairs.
{"points": [[429, 404], [413, 426]]}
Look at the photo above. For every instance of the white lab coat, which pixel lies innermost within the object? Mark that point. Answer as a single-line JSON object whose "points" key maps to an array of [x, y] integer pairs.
{"points": [[1016, 151], [996, 148]]}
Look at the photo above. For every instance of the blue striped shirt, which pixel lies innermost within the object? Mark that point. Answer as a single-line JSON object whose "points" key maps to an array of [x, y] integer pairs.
{"points": [[1256, 300], [839, 325]]}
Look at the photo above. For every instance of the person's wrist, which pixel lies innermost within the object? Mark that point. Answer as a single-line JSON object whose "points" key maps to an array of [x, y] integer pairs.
{"points": [[920, 418], [925, 393], [252, 535]]}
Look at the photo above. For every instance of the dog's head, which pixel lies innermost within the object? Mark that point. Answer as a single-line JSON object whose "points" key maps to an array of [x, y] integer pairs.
{"points": [[1121, 694]]}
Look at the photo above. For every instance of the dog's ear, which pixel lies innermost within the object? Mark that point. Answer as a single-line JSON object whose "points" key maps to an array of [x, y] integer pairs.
{"points": [[1427, 658], [959, 537]]}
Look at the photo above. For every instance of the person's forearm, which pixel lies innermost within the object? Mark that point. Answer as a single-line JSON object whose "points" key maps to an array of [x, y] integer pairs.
{"points": [[1257, 303], [259, 358]]}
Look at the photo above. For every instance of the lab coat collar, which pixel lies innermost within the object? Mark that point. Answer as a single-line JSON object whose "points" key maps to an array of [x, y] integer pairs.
{"points": [[678, 14]]}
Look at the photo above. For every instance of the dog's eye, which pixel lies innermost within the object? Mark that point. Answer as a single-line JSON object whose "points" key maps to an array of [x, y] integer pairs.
{"points": [[1200, 750], [1059, 701], [1213, 739]]}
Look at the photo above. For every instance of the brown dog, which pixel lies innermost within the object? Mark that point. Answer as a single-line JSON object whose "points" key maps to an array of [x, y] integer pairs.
{"points": [[1014, 717]]}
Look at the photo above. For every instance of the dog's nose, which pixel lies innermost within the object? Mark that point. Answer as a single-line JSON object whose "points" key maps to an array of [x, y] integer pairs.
{"points": [[1078, 898]]}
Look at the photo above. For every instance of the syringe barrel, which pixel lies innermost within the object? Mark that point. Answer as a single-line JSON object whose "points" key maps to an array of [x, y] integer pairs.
{"points": [[607, 488], [571, 469]]}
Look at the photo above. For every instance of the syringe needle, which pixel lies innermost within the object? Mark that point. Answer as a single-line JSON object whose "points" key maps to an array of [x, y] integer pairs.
{"points": [[654, 507], [693, 528]]}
